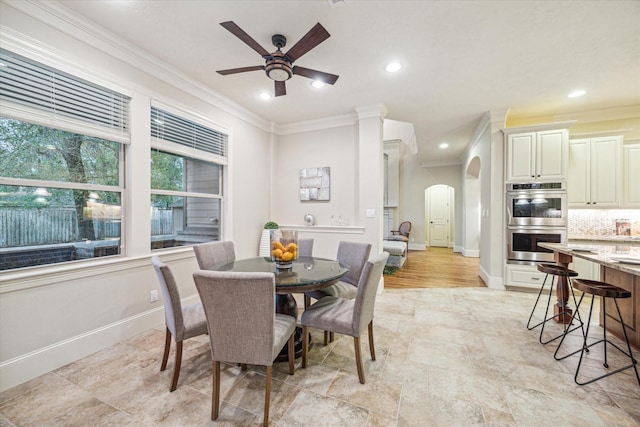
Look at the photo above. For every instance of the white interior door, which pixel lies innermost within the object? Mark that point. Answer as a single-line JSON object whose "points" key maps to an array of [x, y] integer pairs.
{"points": [[439, 212]]}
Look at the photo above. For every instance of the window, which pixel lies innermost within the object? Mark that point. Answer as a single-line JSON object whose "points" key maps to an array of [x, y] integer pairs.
{"points": [[186, 181], [61, 163]]}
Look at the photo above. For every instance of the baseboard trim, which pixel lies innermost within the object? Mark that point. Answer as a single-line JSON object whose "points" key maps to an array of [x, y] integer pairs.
{"points": [[38, 362], [492, 282], [417, 247], [471, 253]]}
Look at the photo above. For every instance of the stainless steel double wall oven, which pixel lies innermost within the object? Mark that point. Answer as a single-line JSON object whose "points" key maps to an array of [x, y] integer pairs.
{"points": [[536, 212]]}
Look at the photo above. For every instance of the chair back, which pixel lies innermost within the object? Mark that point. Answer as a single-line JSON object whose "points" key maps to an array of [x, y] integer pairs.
{"points": [[305, 247], [367, 291], [170, 297], [405, 228], [212, 253], [355, 255], [240, 311]]}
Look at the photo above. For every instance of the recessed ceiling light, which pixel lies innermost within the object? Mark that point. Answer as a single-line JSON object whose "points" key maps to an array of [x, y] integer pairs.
{"points": [[264, 95], [318, 84], [577, 93], [393, 67], [444, 145]]}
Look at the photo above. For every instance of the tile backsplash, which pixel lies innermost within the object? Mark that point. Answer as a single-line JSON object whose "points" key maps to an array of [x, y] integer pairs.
{"points": [[599, 223]]}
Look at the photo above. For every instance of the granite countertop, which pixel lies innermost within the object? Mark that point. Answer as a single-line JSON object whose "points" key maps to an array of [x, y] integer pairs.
{"points": [[606, 239], [623, 257]]}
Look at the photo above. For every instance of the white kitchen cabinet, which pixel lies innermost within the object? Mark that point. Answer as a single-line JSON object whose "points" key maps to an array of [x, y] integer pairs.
{"points": [[595, 176], [537, 156], [631, 176], [524, 277], [586, 269]]}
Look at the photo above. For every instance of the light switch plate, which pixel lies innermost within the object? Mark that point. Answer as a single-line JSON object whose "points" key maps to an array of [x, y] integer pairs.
{"points": [[371, 213]]}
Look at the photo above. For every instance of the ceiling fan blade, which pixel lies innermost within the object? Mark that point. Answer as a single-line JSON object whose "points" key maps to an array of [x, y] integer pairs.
{"points": [[313, 38], [280, 88], [239, 33], [315, 74], [240, 70]]}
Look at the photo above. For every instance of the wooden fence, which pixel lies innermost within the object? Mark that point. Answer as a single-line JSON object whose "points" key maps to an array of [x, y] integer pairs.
{"points": [[26, 227]]}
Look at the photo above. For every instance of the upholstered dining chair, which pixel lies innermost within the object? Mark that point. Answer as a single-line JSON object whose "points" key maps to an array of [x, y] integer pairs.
{"points": [[345, 316], [402, 233], [305, 247], [353, 254], [212, 253], [181, 322], [243, 325]]}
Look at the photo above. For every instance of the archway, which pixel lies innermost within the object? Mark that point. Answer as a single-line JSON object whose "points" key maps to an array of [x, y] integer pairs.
{"points": [[471, 213]]}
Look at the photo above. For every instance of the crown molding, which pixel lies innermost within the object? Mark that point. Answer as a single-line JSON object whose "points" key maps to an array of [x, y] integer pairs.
{"points": [[369, 111], [587, 116], [541, 127], [317, 124], [68, 22]]}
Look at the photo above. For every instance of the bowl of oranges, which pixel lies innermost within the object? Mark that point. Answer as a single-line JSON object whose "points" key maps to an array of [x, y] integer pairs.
{"points": [[284, 248]]}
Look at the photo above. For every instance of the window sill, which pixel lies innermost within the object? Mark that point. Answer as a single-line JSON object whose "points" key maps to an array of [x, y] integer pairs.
{"points": [[33, 277]]}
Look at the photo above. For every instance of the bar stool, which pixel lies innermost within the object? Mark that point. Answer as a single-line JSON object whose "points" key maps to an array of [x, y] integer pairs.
{"points": [[555, 271], [605, 291]]}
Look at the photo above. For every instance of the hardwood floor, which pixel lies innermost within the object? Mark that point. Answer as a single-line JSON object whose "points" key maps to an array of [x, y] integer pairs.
{"points": [[436, 268]]}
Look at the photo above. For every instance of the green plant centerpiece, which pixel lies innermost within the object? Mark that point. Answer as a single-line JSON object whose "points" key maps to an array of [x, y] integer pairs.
{"points": [[271, 226]]}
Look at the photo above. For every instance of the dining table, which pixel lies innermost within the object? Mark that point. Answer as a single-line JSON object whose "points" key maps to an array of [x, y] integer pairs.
{"points": [[305, 274]]}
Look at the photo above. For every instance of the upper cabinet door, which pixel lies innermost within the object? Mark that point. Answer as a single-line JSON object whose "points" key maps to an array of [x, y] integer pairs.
{"points": [[537, 156], [631, 179], [595, 175], [578, 180], [551, 155], [606, 173], [520, 157]]}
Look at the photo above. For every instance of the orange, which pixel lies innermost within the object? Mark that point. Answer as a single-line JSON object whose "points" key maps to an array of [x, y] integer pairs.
{"points": [[287, 256], [276, 253]]}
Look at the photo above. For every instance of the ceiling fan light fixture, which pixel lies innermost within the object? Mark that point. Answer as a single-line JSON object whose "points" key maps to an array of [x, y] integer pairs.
{"points": [[444, 145], [393, 67], [264, 95], [318, 84]]}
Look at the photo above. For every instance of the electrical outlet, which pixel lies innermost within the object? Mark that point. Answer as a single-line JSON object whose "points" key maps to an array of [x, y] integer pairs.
{"points": [[153, 296]]}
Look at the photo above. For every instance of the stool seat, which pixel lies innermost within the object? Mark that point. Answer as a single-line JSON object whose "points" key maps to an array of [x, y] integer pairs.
{"points": [[556, 270], [600, 289]]}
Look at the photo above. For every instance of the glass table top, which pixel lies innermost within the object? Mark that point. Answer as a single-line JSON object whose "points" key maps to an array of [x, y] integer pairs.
{"points": [[307, 273]]}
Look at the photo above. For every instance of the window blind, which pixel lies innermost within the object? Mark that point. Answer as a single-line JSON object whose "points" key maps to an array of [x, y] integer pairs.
{"points": [[173, 128], [34, 92]]}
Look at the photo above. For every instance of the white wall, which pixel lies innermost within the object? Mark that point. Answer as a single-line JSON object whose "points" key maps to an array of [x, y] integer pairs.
{"points": [[53, 315], [488, 146]]}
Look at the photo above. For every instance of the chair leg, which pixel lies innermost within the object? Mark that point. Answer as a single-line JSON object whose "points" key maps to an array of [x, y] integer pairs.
{"points": [[307, 301], [167, 347], [176, 368], [291, 352], [215, 392], [267, 396], [372, 349], [305, 346], [356, 345], [331, 336], [326, 337]]}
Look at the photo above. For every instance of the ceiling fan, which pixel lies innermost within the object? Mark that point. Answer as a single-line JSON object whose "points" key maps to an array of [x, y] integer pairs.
{"points": [[278, 65]]}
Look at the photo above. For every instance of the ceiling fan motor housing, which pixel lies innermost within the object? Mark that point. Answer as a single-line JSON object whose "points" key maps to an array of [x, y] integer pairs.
{"points": [[278, 68]]}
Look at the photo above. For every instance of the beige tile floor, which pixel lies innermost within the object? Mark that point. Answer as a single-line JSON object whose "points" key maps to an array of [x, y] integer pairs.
{"points": [[445, 357]]}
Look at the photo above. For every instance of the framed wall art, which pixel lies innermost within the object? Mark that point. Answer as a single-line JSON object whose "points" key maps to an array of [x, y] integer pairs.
{"points": [[315, 184]]}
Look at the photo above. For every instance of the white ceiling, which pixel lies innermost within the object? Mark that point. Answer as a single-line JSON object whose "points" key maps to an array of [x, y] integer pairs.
{"points": [[461, 58]]}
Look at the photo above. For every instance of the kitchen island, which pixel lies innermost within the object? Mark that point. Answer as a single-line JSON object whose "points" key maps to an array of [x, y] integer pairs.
{"points": [[619, 266]]}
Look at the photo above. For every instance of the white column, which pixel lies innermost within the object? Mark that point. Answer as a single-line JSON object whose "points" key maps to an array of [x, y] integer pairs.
{"points": [[370, 174]]}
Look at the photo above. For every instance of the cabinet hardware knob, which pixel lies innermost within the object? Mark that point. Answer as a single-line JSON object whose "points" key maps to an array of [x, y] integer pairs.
{"points": [[535, 278]]}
